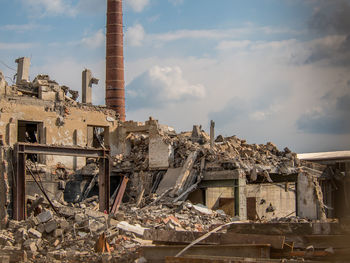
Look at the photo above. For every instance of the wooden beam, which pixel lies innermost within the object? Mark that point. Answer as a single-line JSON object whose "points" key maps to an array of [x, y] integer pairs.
{"points": [[186, 237], [159, 253], [219, 259]]}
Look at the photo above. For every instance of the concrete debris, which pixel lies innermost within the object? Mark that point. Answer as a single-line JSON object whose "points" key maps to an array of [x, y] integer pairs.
{"points": [[81, 234]]}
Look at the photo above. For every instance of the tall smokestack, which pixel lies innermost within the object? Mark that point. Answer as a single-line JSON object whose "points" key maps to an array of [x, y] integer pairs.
{"points": [[115, 91]]}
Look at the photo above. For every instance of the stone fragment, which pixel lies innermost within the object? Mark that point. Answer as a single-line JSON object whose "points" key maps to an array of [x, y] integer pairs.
{"points": [[34, 233], [41, 228], [56, 243], [30, 244], [202, 209], [58, 233], [64, 224], [50, 226], [45, 216]]}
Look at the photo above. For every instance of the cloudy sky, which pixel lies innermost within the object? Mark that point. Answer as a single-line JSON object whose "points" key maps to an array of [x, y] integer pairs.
{"points": [[264, 70]]}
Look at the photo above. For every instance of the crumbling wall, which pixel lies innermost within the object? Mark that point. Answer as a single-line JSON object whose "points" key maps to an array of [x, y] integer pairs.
{"points": [[3, 83], [61, 125], [161, 154], [213, 195], [273, 200]]}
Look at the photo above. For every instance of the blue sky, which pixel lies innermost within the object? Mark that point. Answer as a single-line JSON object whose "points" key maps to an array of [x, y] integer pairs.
{"points": [[264, 70]]}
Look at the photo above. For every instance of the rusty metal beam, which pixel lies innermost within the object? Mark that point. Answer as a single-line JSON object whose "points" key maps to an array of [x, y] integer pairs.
{"points": [[21, 149], [119, 198], [62, 150], [19, 192], [104, 184]]}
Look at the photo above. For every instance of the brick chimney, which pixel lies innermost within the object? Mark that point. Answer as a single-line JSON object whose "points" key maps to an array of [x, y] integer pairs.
{"points": [[115, 85]]}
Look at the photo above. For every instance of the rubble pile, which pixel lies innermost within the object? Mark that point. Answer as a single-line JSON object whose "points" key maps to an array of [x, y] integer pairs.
{"points": [[182, 216], [74, 233], [235, 153], [137, 159], [228, 153], [192, 151]]}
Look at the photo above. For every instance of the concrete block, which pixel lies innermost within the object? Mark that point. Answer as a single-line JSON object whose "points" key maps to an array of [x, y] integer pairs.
{"points": [[45, 216], [50, 226], [68, 211], [41, 228]]}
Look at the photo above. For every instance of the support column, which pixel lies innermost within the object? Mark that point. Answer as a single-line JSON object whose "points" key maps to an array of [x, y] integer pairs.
{"points": [[212, 133], [19, 188]]}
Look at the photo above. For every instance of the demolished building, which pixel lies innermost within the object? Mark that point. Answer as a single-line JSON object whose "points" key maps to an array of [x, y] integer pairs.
{"points": [[146, 169], [79, 183]]}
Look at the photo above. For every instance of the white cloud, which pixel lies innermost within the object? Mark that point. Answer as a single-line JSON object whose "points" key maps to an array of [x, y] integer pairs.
{"points": [[161, 85], [138, 5], [94, 41], [258, 92], [50, 7], [135, 35], [175, 87]]}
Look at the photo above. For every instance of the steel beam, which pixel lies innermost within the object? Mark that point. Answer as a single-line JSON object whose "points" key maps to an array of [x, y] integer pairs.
{"points": [[19, 193], [62, 150], [119, 198], [104, 184]]}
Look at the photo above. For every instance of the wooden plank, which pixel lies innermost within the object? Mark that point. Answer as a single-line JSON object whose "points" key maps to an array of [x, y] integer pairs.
{"points": [[159, 253], [186, 237], [219, 259], [276, 242], [314, 228]]}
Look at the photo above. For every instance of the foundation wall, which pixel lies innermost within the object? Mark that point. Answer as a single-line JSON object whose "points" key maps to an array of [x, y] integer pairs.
{"points": [[282, 198]]}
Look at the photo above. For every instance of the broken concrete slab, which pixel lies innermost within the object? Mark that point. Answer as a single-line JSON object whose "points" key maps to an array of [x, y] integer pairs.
{"points": [[45, 216], [131, 228]]}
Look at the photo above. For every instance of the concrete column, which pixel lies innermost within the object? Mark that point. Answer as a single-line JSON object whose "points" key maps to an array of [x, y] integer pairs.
{"points": [[86, 87], [242, 192], [87, 81], [212, 133], [12, 133], [22, 70]]}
